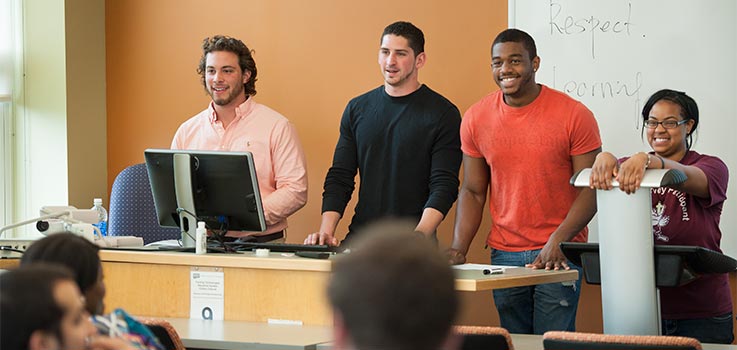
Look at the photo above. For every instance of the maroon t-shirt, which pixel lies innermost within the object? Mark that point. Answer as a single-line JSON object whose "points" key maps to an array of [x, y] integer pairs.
{"points": [[683, 219]]}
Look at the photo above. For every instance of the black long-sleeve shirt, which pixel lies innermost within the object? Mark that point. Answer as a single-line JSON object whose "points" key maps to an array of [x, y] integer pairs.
{"points": [[406, 151]]}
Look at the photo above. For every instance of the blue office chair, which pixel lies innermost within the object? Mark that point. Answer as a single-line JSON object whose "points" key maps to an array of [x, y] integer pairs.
{"points": [[132, 211]]}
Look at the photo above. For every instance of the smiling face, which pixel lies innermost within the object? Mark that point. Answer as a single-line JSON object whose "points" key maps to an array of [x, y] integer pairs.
{"points": [[514, 72], [224, 78], [399, 65], [668, 143]]}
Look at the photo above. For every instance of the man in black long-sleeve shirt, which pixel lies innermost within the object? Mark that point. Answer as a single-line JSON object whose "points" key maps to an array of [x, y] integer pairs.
{"points": [[402, 138]]}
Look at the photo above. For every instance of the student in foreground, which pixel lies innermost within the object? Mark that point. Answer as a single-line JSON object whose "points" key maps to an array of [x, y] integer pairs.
{"points": [[687, 214], [81, 257], [234, 121], [522, 144], [402, 139], [42, 309], [393, 291]]}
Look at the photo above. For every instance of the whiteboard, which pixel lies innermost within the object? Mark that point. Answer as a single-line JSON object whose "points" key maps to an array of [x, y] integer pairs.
{"points": [[613, 54]]}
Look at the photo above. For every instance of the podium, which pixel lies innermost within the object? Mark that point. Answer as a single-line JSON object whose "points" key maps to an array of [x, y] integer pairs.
{"points": [[675, 265], [626, 253]]}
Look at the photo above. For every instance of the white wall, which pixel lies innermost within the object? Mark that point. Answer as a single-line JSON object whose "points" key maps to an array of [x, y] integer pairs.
{"points": [[637, 48], [61, 143], [42, 167]]}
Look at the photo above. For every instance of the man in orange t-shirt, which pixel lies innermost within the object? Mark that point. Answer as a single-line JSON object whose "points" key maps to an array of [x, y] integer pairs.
{"points": [[522, 144]]}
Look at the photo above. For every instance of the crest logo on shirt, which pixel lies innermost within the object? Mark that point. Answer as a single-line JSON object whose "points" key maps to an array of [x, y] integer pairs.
{"points": [[660, 220]]}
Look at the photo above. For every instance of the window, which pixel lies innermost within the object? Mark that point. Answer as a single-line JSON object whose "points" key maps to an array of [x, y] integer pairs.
{"points": [[10, 24]]}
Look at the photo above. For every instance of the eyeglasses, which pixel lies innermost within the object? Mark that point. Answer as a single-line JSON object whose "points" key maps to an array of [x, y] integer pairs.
{"points": [[668, 124]]}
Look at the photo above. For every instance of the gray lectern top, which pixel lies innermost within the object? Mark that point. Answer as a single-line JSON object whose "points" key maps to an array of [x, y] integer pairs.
{"points": [[653, 178]]}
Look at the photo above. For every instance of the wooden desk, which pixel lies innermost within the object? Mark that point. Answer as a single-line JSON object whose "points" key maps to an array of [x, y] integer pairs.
{"points": [[238, 335], [256, 288], [471, 281], [9, 263]]}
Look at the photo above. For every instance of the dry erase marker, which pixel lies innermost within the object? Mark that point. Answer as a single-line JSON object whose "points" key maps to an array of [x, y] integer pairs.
{"points": [[493, 271]]}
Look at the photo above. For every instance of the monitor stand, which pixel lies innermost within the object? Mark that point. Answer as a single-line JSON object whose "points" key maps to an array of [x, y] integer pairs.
{"points": [[185, 199]]}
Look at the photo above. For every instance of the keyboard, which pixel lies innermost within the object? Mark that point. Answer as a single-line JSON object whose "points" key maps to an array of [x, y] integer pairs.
{"points": [[283, 247], [152, 249]]}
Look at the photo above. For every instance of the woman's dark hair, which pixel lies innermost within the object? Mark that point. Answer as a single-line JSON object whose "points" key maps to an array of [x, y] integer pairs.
{"points": [[27, 303], [72, 251], [689, 109]]}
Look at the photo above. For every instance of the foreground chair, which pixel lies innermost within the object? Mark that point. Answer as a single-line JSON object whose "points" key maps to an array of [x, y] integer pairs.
{"points": [[484, 338], [575, 340], [166, 333]]}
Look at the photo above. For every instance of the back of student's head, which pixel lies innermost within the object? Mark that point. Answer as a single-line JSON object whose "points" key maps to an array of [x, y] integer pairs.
{"points": [[27, 303], [394, 291], [415, 37], [517, 36], [75, 253]]}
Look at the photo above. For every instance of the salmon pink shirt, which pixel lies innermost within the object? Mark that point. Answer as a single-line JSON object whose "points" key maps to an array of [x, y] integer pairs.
{"points": [[277, 154]]}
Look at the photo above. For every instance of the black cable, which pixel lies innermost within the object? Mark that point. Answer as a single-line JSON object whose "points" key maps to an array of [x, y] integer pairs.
{"points": [[179, 211], [217, 235], [12, 250]]}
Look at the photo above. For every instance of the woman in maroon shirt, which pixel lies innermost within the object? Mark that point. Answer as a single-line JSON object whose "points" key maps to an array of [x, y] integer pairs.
{"points": [[686, 214]]}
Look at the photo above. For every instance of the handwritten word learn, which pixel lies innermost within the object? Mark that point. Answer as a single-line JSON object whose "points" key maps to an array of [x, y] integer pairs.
{"points": [[589, 25], [604, 89]]}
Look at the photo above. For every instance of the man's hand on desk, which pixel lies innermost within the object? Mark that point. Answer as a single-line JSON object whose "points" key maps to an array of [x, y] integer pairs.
{"points": [[455, 256], [550, 258], [322, 238]]}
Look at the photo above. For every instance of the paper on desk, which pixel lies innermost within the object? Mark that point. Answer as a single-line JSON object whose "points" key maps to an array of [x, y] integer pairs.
{"points": [[165, 243], [207, 294], [481, 267]]}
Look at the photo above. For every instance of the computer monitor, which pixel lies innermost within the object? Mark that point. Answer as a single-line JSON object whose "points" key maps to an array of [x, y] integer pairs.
{"points": [[219, 188]]}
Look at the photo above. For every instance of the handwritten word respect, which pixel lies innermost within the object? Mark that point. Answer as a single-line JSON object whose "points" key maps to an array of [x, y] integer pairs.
{"points": [[587, 25]]}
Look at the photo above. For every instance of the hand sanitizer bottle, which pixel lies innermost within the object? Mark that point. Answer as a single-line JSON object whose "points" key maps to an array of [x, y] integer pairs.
{"points": [[200, 238]]}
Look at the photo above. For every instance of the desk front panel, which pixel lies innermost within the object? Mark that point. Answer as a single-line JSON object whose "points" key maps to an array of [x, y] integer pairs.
{"points": [[252, 293]]}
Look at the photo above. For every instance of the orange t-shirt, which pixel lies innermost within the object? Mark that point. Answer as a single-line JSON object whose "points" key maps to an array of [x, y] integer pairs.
{"points": [[529, 150]]}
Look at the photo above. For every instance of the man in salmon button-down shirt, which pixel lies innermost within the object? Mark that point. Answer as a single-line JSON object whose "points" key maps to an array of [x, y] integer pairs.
{"points": [[235, 122]]}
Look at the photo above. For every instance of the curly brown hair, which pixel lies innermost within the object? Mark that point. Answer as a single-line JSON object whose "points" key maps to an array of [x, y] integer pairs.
{"points": [[245, 58]]}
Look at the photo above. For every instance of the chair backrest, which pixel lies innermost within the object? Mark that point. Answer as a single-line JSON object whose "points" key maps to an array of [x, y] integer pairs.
{"points": [[132, 210], [484, 338], [573, 341], [166, 333]]}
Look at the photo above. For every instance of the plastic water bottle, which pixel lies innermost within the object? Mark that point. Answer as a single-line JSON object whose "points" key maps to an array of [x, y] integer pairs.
{"points": [[200, 238], [101, 216]]}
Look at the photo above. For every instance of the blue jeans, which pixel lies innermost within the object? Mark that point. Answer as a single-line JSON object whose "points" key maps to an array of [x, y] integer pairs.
{"points": [[536, 309], [707, 330]]}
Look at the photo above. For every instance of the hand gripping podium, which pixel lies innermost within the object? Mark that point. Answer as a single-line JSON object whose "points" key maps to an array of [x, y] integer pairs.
{"points": [[626, 255]]}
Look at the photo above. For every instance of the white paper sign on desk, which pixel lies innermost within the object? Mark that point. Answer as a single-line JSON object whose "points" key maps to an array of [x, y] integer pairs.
{"points": [[207, 294]]}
